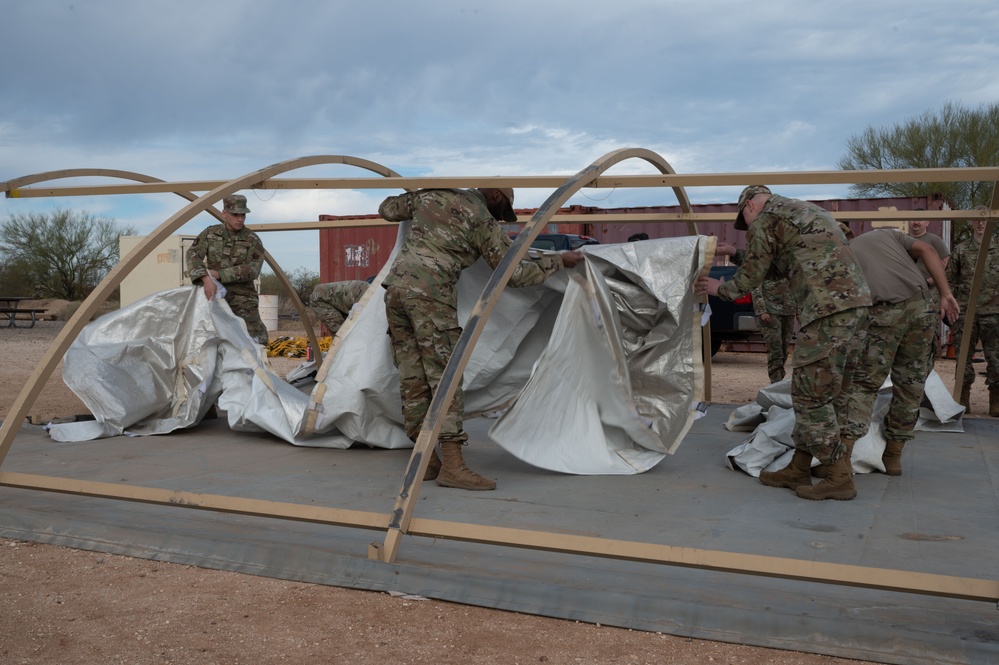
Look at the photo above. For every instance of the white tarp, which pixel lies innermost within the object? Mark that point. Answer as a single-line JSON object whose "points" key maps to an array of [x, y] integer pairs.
{"points": [[771, 420], [597, 373]]}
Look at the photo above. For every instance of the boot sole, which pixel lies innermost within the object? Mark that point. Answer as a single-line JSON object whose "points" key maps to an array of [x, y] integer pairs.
{"points": [[459, 486], [787, 484], [836, 496]]}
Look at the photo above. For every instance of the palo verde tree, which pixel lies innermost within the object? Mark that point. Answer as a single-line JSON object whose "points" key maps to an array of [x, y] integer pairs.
{"points": [[61, 254], [953, 137]]}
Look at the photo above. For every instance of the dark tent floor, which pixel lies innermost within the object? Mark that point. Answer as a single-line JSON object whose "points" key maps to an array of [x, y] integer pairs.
{"points": [[941, 517]]}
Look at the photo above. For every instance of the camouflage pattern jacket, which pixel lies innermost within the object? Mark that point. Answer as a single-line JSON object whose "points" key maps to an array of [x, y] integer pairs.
{"points": [[237, 256], [773, 296], [961, 273], [804, 244], [451, 229]]}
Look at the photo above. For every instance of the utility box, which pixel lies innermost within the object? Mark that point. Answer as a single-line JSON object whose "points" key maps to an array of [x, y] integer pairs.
{"points": [[164, 268]]}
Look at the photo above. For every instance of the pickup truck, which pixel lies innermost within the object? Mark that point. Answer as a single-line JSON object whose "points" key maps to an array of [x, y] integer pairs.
{"points": [[559, 242]]}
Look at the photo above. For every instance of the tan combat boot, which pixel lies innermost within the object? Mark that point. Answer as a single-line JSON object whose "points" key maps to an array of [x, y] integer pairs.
{"points": [[822, 470], [892, 457], [994, 402], [791, 476], [433, 466], [838, 484], [454, 473], [965, 400]]}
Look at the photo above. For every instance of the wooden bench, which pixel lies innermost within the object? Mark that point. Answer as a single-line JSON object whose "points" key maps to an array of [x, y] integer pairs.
{"points": [[12, 312]]}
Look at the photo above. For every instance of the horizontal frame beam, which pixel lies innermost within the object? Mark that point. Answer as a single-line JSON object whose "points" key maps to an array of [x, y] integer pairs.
{"points": [[970, 174], [649, 218]]}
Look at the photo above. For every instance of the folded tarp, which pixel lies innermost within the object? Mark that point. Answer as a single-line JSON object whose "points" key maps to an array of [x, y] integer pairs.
{"points": [[771, 420]]}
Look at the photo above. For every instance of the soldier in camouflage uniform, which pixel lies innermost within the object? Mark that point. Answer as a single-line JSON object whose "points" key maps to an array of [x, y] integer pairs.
{"points": [[231, 255], [451, 229], [917, 230], [332, 302], [775, 312], [804, 244], [903, 320], [961, 273]]}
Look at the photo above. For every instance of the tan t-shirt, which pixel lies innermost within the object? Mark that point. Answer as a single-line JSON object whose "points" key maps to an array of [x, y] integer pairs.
{"points": [[891, 272], [937, 243]]}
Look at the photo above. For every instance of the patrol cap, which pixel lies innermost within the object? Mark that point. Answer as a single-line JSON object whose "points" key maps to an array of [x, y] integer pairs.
{"points": [[236, 204], [510, 215], [748, 193]]}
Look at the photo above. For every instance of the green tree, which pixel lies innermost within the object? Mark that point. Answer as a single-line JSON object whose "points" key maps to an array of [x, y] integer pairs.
{"points": [[15, 277], [60, 254], [953, 137]]}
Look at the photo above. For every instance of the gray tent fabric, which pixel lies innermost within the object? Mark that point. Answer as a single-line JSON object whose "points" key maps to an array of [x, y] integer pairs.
{"points": [[614, 345], [771, 420], [628, 402]]}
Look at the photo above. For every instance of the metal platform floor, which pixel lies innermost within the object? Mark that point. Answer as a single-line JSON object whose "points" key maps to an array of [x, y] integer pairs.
{"points": [[941, 517]]}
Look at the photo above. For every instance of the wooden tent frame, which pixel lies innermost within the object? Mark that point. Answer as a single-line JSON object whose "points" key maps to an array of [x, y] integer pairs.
{"points": [[400, 520]]}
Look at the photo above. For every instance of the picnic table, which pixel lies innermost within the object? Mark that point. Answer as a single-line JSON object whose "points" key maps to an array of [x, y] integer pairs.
{"points": [[9, 308]]}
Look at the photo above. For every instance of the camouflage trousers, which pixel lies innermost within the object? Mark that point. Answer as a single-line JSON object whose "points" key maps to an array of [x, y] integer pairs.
{"points": [[825, 356], [777, 337], [897, 337], [985, 329], [934, 346], [423, 334], [248, 309]]}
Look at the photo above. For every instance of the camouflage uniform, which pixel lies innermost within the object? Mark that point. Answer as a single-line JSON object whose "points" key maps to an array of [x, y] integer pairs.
{"points": [[238, 257], [451, 230], [804, 244], [332, 302], [897, 336], [773, 297], [960, 273], [943, 252]]}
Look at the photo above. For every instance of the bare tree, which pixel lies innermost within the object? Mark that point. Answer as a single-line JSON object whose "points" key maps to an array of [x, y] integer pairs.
{"points": [[302, 279], [61, 254], [953, 137]]}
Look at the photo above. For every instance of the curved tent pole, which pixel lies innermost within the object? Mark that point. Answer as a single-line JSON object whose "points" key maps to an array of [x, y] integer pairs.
{"points": [[402, 512], [43, 371], [46, 176], [190, 196]]}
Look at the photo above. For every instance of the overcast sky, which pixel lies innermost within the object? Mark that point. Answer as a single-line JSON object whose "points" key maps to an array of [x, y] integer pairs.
{"points": [[185, 90]]}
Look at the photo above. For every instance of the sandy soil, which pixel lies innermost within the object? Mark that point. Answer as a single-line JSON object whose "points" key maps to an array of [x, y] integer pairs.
{"points": [[59, 605]]}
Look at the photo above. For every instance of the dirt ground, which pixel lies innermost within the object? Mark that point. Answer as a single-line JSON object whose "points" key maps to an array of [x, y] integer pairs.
{"points": [[59, 605]]}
